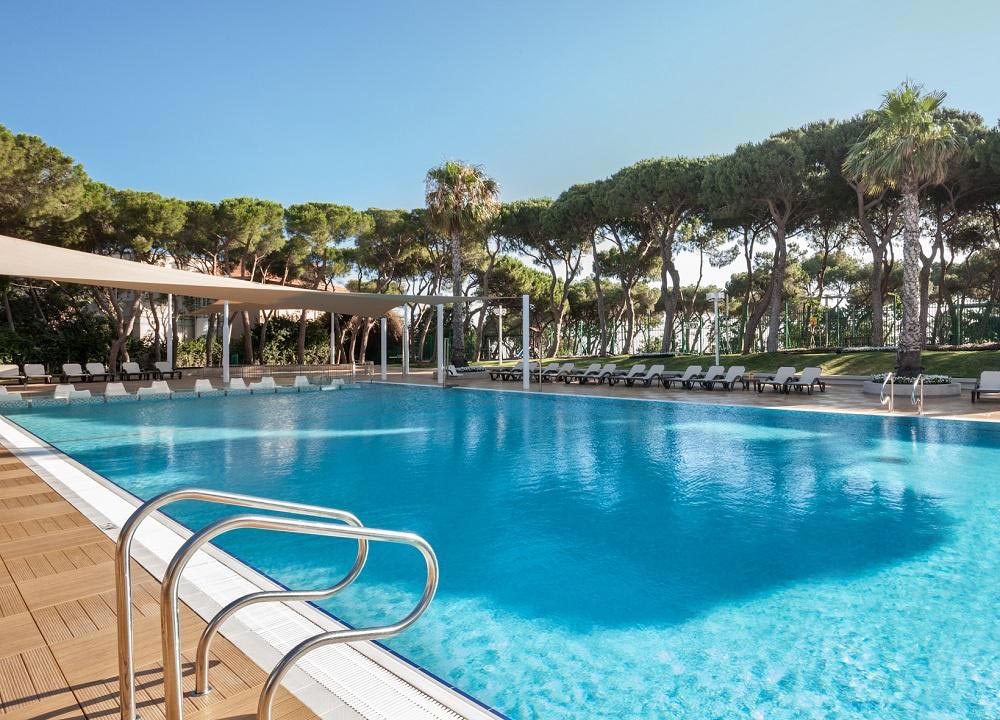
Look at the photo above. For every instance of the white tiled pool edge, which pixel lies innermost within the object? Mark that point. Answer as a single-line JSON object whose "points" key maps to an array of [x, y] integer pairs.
{"points": [[345, 682]]}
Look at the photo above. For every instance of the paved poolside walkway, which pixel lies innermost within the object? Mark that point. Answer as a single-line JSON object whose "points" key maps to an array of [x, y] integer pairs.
{"points": [[58, 656]]}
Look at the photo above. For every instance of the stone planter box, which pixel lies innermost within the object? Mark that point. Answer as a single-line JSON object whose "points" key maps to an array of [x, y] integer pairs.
{"points": [[952, 389]]}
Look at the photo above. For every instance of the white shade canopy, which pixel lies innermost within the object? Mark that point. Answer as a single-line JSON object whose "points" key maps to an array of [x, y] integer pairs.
{"points": [[22, 258]]}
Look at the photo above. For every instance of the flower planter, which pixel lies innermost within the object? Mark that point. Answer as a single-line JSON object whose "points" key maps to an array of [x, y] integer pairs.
{"points": [[952, 389]]}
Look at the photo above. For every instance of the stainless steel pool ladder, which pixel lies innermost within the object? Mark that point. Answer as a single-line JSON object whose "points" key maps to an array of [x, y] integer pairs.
{"points": [[917, 394], [353, 529], [890, 380]]}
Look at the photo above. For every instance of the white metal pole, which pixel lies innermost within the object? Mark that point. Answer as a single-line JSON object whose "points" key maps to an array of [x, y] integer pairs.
{"points": [[333, 338], [500, 335], [440, 344], [406, 340], [225, 342], [385, 350], [525, 343], [170, 330], [716, 328]]}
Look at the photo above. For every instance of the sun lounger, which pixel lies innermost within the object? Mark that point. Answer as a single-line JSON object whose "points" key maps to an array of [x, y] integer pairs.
{"points": [[713, 373], [988, 383], [264, 385], [591, 371], [682, 379], [116, 390], [646, 378], [728, 382], [74, 370], [203, 386], [564, 370], [36, 372], [806, 381], [158, 388], [99, 373], [164, 370], [69, 393], [10, 373], [628, 376], [9, 397], [516, 372], [132, 371], [550, 371], [779, 381]]}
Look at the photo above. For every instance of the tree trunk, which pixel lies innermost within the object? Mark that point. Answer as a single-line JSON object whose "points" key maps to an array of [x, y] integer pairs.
{"points": [[753, 321], [457, 308], [8, 311], [602, 311], [300, 348], [670, 302], [210, 338], [157, 350], [875, 297], [910, 341], [777, 289], [247, 338]]}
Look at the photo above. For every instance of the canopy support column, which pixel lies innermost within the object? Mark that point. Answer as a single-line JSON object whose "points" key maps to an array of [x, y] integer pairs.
{"points": [[385, 350], [333, 338], [525, 343], [225, 342], [500, 314], [440, 344], [406, 340], [170, 329]]}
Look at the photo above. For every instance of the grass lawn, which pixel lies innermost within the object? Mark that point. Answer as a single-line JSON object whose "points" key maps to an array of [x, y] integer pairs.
{"points": [[957, 363]]}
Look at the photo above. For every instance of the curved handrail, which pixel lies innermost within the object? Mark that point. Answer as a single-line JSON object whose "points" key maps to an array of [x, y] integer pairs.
{"points": [[914, 398], [169, 617], [123, 570], [890, 380]]}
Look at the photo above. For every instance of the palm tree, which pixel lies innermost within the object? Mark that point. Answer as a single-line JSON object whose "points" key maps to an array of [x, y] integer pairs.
{"points": [[909, 148], [462, 200]]}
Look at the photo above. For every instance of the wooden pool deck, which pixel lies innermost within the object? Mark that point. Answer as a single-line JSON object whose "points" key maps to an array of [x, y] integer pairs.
{"points": [[58, 656]]}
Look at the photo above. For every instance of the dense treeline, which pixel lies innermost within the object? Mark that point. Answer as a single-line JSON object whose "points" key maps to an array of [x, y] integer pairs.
{"points": [[903, 202]]}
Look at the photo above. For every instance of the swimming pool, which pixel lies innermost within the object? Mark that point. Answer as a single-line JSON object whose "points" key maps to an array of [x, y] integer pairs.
{"points": [[617, 559]]}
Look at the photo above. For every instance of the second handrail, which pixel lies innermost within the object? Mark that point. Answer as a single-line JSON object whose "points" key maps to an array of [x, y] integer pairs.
{"points": [[914, 398], [890, 380]]}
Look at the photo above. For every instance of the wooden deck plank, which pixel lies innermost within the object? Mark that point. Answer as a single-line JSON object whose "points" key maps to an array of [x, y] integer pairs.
{"points": [[58, 643]]}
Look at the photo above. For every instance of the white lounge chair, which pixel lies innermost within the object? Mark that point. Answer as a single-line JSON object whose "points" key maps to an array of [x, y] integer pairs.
{"points": [[806, 381], [98, 372], [9, 397], [36, 372], [74, 370], [158, 388], [164, 370], [203, 386], [264, 385], [733, 376], [779, 381], [301, 382], [68, 393], [647, 378], [988, 383], [709, 376], [10, 372], [131, 370], [116, 390], [549, 371], [629, 376], [591, 371], [237, 385], [682, 378]]}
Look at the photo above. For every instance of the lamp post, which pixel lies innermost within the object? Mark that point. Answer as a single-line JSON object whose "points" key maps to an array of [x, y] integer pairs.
{"points": [[715, 297], [500, 311]]}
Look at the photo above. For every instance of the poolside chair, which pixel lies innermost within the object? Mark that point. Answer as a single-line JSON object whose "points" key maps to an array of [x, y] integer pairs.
{"points": [[779, 381], [733, 376], [806, 381], [203, 386], [550, 371], [10, 372], [36, 372], [300, 383], [264, 385], [565, 369], [158, 388], [74, 370], [682, 378], [68, 393], [132, 371], [988, 383], [237, 385], [647, 377], [591, 371], [628, 376], [164, 370], [9, 397], [713, 373], [116, 390], [97, 370], [516, 372]]}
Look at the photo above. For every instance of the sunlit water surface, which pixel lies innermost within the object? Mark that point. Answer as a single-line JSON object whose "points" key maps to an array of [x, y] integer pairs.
{"points": [[617, 559]]}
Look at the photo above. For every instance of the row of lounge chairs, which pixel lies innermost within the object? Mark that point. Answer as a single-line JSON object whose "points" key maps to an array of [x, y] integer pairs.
{"points": [[93, 372], [161, 389], [717, 376]]}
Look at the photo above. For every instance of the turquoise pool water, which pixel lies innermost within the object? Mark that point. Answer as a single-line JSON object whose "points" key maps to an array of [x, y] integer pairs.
{"points": [[618, 559]]}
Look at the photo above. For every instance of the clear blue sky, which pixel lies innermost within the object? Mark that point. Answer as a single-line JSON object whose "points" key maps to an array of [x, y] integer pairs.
{"points": [[353, 102]]}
